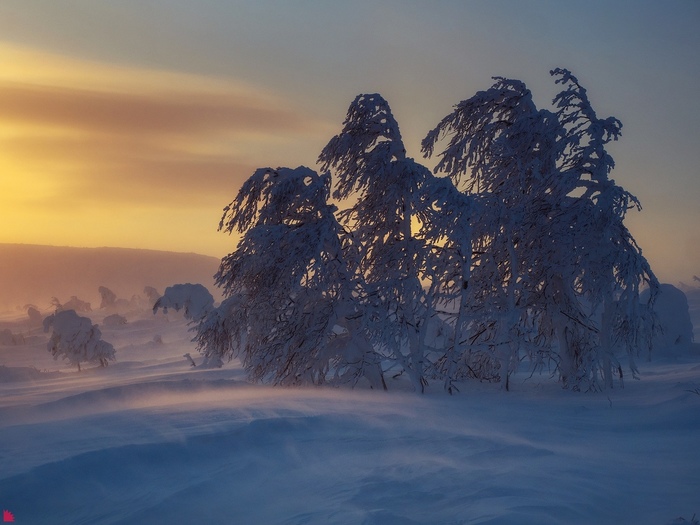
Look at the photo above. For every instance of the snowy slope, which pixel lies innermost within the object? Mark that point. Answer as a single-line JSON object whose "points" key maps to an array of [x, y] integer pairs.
{"points": [[152, 440]]}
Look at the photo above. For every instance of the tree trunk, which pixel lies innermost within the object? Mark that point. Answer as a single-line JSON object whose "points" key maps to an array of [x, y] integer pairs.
{"points": [[606, 349]]}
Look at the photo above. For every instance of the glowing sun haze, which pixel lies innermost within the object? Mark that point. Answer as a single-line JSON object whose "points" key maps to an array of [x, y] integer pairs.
{"points": [[133, 124], [97, 154]]}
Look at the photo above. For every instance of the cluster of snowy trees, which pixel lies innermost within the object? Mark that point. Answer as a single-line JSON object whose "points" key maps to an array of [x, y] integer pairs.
{"points": [[513, 248], [74, 338]]}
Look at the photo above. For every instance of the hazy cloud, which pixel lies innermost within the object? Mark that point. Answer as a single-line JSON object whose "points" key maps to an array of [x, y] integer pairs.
{"points": [[99, 154], [74, 133], [90, 169], [184, 113]]}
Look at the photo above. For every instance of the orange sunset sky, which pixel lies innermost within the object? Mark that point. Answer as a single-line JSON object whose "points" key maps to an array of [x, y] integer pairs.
{"points": [[132, 124]]}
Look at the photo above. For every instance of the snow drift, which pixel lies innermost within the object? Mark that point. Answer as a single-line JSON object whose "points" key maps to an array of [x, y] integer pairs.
{"points": [[152, 440]]}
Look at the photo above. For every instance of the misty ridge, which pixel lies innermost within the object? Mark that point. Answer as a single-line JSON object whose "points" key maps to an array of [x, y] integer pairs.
{"points": [[34, 274]]}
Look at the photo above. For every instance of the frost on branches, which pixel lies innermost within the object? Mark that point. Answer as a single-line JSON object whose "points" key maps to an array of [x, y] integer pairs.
{"points": [[290, 311], [76, 339], [387, 258], [557, 275], [518, 252]]}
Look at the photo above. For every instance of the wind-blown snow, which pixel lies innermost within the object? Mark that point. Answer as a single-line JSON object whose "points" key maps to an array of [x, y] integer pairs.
{"points": [[151, 439]]}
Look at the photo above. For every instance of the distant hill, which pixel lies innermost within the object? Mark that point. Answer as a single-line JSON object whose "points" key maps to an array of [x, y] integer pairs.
{"points": [[34, 274]]}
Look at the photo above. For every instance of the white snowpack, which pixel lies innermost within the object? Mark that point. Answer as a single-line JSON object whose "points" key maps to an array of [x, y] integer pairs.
{"points": [[151, 439]]}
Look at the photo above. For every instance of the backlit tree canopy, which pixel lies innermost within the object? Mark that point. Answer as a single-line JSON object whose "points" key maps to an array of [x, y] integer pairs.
{"points": [[513, 249]]}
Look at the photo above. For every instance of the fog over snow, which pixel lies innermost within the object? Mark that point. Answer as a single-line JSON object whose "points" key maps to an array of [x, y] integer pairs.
{"points": [[152, 439]]}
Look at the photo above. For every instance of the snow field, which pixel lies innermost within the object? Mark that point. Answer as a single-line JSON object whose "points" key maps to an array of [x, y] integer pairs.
{"points": [[152, 440]]}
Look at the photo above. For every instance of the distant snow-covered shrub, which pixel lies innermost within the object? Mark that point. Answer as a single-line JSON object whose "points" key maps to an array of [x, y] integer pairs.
{"points": [[152, 295], [676, 329], [108, 297], [72, 304], [194, 299], [76, 339], [35, 317], [21, 373], [114, 320], [7, 338]]}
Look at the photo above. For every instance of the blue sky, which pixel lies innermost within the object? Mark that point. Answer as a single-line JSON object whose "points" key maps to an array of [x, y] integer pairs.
{"points": [[205, 91]]}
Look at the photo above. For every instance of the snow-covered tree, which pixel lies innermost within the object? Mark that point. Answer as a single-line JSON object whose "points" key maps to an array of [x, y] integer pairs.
{"points": [[152, 295], [501, 148], [289, 302], [74, 303], [114, 320], [675, 334], [446, 227], [76, 339], [520, 250], [550, 248], [609, 268], [8, 338], [194, 299], [35, 317], [107, 296], [371, 167]]}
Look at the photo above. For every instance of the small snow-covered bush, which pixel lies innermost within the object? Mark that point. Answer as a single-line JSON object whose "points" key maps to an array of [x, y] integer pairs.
{"points": [[676, 329], [76, 339], [35, 317], [7, 338], [152, 295], [21, 373], [108, 297], [114, 320], [194, 299], [74, 303]]}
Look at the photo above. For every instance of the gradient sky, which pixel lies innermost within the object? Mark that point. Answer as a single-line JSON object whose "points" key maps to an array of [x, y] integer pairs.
{"points": [[133, 123]]}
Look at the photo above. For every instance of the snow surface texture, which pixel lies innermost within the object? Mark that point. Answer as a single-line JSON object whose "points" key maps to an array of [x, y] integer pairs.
{"points": [[151, 439]]}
